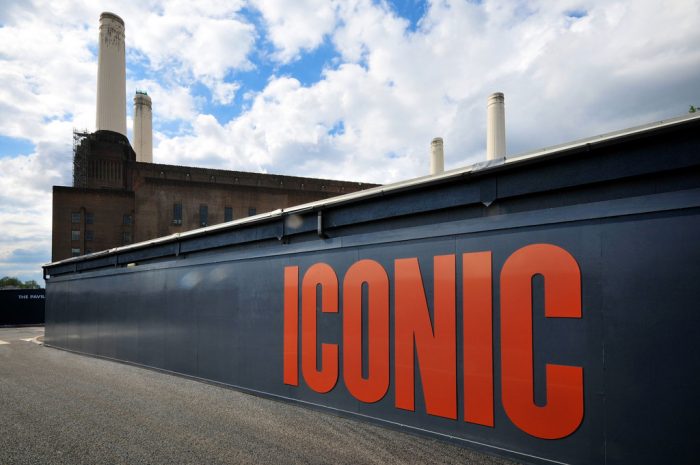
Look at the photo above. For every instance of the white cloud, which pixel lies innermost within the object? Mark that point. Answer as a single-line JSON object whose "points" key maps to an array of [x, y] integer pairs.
{"points": [[36, 83], [222, 92], [561, 74], [294, 26], [203, 46], [25, 212]]}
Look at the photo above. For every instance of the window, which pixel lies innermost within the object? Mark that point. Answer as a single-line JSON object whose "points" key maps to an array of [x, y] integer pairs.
{"points": [[75, 218], [177, 213], [127, 219], [75, 235], [228, 213], [126, 237], [75, 252], [251, 211], [88, 250], [89, 234], [203, 215], [89, 218]]}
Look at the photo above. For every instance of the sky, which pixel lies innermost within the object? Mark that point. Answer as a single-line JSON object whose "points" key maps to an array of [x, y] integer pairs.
{"points": [[351, 89]]}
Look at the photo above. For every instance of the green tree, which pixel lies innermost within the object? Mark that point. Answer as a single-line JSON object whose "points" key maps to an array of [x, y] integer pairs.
{"points": [[693, 109], [11, 281]]}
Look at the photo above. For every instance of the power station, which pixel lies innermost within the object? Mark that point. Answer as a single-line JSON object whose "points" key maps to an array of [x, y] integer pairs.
{"points": [[119, 196]]}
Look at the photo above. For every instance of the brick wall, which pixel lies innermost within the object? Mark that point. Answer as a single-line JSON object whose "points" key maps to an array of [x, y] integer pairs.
{"points": [[96, 214], [91, 217]]}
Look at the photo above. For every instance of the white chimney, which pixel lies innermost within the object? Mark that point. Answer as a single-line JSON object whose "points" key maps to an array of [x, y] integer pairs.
{"points": [[111, 75], [143, 129], [496, 127], [437, 156]]}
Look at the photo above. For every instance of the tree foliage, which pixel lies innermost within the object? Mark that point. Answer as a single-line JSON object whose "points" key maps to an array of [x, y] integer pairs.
{"points": [[12, 282]]}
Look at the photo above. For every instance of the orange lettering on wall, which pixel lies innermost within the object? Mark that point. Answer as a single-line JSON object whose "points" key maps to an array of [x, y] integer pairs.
{"points": [[375, 386], [319, 379], [563, 411], [291, 325], [478, 337], [435, 344]]}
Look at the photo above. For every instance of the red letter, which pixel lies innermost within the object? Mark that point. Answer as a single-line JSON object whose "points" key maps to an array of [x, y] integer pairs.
{"points": [[374, 387], [291, 325], [434, 344], [323, 379], [478, 338], [563, 412]]}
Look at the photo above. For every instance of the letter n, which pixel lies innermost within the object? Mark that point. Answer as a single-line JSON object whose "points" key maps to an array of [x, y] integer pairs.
{"points": [[433, 342]]}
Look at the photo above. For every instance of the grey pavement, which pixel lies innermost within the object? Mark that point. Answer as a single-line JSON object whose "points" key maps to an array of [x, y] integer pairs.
{"points": [[58, 407]]}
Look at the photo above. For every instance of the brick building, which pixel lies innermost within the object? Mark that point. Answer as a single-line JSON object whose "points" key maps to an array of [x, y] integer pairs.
{"points": [[116, 200]]}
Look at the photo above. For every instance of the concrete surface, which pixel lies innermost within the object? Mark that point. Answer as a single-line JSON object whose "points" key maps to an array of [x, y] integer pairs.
{"points": [[58, 407]]}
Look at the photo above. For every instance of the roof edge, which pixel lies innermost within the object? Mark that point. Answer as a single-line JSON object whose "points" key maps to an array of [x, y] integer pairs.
{"points": [[481, 167]]}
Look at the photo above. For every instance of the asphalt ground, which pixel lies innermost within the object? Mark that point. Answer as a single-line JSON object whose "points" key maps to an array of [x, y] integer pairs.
{"points": [[57, 407]]}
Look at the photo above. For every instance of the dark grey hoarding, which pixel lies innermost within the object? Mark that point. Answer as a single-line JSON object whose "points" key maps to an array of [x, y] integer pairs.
{"points": [[543, 310], [22, 307]]}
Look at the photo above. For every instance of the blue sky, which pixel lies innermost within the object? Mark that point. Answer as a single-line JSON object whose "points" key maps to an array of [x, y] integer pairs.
{"points": [[12, 146], [351, 89]]}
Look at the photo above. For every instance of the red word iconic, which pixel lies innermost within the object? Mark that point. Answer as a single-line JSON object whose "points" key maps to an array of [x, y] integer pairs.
{"points": [[435, 342]]}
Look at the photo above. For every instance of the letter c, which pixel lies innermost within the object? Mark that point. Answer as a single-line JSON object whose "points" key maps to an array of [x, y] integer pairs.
{"points": [[563, 412]]}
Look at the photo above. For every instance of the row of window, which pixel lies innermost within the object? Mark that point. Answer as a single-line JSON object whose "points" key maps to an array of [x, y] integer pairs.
{"points": [[89, 235], [204, 214], [75, 251], [75, 218], [128, 219]]}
